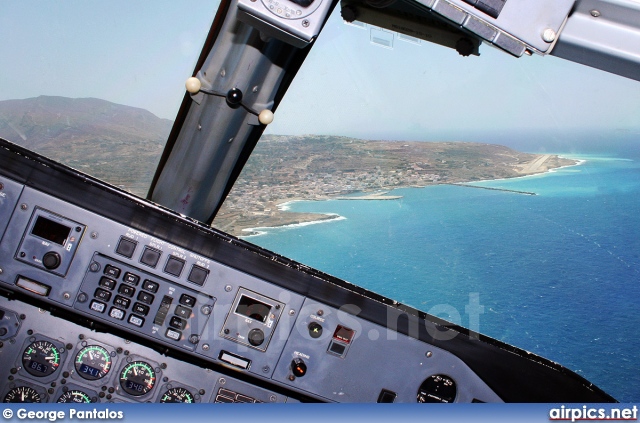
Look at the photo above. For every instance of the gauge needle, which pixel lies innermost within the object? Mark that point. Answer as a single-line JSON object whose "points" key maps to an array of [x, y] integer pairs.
{"points": [[135, 371], [90, 355], [22, 395]]}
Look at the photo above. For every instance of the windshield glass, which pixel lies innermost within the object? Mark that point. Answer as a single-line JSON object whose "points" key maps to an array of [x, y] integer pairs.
{"points": [[458, 184], [96, 85], [483, 186]]}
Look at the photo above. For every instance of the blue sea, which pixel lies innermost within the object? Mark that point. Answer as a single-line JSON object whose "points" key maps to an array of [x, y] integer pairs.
{"points": [[557, 273]]}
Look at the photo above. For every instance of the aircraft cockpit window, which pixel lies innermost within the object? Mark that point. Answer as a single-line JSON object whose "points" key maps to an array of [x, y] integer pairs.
{"points": [[496, 193]]}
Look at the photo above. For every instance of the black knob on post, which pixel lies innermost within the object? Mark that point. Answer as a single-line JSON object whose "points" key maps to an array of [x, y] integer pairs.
{"points": [[256, 337], [234, 97], [298, 368], [51, 260]]}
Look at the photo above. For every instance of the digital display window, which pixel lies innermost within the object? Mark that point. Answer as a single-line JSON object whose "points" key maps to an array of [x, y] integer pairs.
{"points": [[252, 308], [50, 230]]}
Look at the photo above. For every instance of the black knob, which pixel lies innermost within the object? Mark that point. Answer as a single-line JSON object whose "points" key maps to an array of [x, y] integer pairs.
{"points": [[298, 368], [234, 96], [256, 337], [51, 260], [3, 331], [315, 330]]}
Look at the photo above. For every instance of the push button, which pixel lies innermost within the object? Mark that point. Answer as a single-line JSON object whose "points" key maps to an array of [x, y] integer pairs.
{"points": [[174, 266], [173, 334], [107, 283], [126, 247], [131, 278], [198, 275], [136, 320], [98, 306], [177, 323], [150, 257], [183, 312], [145, 297], [150, 286], [121, 302], [116, 313], [141, 309], [187, 300], [126, 290], [103, 295], [112, 271]]}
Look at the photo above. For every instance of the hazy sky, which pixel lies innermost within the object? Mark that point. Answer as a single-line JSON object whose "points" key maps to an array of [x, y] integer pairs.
{"points": [[139, 53]]}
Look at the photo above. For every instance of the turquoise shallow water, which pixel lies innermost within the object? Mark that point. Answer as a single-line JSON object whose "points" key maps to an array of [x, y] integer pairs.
{"points": [[557, 273]]}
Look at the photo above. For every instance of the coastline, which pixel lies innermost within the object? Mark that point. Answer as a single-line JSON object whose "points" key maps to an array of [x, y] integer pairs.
{"points": [[294, 219], [263, 230]]}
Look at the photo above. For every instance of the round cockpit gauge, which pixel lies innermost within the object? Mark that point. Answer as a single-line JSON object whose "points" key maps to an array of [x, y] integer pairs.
{"points": [[177, 395], [41, 358], [22, 394], [74, 396], [437, 389], [93, 362], [137, 378]]}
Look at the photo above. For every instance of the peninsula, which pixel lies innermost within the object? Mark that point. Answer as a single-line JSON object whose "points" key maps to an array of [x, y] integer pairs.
{"points": [[283, 169]]}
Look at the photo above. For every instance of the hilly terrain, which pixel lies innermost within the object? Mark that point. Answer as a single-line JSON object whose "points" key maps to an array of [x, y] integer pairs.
{"points": [[115, 143], [122, 146]]}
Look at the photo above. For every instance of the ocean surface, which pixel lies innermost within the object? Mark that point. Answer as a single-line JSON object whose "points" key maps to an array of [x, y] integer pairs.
{"points": [[557, 273]]}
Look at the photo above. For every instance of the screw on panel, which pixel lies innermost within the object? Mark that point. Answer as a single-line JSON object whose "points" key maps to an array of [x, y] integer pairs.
{"points": [[273, 398], [205, 347], [429, 354], [66, 295], [549, 35], [1, 270], [228, 288], [266, 369], [206, 310], [222, 381], [23, 206], [595, 13], [194, 339], [292, 312], [305, 23], [94, 235]]}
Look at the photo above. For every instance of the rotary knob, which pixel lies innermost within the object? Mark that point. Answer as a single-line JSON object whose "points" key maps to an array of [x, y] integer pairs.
{"points": [[298, 368], [256, 337], [51, 260]]}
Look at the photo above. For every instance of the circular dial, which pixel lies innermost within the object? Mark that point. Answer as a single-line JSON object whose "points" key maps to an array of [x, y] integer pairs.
{"points": [[41, 358], [436, 389], [74, 396], [22, 394], [93, 362], [177, 395], [137, 378]]}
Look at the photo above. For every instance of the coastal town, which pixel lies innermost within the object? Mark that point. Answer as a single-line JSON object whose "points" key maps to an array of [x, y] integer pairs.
{"points": [[287, 168]]}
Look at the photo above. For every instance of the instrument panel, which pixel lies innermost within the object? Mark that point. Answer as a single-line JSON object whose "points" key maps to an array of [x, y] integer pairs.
{"points": [[107, 297]]}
